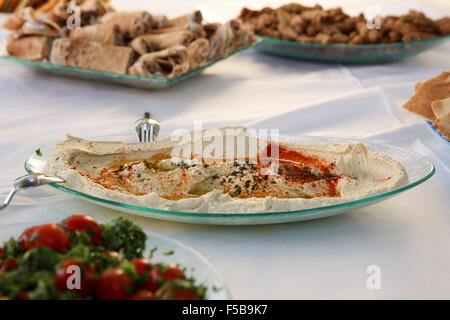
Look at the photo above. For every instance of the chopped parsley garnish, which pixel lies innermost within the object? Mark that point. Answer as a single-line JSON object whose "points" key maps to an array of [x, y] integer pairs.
{"points": [[34, 271], [169, 253]]}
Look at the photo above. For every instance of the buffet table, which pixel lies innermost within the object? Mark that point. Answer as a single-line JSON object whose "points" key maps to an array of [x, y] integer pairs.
{"points": [[407, 237]]}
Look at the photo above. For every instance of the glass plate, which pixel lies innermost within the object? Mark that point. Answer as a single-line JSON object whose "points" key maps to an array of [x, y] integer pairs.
{"points": [[363, 53], [110, 77], [437, 133], [196, 265], [418, 169]]}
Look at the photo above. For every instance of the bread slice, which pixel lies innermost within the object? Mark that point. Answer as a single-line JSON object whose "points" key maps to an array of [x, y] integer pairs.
{"points": [[437, 88], [107, 33], [34, 48], [91, 55]]}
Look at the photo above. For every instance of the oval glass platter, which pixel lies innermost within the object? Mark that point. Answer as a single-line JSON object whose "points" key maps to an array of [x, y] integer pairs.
{"points": [[110, 77], [418, 169], [195, 264], [437, 133], [362, 53]]}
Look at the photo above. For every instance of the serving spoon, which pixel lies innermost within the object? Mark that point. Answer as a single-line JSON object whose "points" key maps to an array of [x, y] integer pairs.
{"points": [[29, 181]]}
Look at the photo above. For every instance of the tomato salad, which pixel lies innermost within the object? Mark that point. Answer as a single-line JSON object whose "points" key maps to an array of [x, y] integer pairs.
{"points": [[45, 261]]}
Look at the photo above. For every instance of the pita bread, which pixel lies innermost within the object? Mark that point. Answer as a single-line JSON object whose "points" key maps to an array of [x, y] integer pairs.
{"points": [[132, 24], [14, 22], [437, 88], [91, 55], [441, 108], [34, 48], [418, 84], [107, 33], [443, 126]]}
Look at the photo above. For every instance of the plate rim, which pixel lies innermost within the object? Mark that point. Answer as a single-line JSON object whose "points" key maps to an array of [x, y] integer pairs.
{"points": [[264, 40], [209, 215], [201, 257]]}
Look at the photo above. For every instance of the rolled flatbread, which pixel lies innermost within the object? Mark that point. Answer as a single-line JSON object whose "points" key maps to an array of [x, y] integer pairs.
{"points": [[94, 7], [47, 28], [195, 28], [156, 42], [220, 41], [36, 48], [36, 23], [14, 22], [242, 34], [107, 33], [198, 53], [132, 24], [195, 16], [168, 63], [160, 21], [91, 55]]}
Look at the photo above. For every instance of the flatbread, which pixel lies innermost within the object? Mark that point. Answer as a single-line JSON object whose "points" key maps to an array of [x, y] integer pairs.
{"points": [[441, 108], [443, 126], [91, 55], [437, 88], [107, 33], [132, 24], [35, 48]]}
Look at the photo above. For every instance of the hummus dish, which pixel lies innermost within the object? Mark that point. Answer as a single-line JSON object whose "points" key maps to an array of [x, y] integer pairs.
{"points": [[277, 176]]}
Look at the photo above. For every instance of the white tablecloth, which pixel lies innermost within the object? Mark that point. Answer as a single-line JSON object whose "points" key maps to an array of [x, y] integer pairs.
{"points": [[407, 237]]}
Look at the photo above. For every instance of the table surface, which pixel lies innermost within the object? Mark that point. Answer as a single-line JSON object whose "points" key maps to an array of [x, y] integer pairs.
{"points": [[407, 236]]}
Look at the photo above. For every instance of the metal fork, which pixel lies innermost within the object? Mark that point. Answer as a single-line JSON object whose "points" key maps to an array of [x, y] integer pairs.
{"points": [[147, 128], [29, 181]]}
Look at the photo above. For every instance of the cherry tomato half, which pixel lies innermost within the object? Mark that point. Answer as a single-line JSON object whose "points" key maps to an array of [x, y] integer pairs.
{"points": [[170, 272], [87, 281], [114, 284], [84, 223], [143, 295], [48, 235], [142, 265], [145, 266], [26, 236]]}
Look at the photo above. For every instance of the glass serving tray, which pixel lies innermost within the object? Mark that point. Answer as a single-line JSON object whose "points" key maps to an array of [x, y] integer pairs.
{"points": [[437, 133], [363, 53], [110, 77], [196, 265], [418, 169]]}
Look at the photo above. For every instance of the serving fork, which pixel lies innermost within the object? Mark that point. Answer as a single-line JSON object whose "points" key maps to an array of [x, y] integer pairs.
{"points": [[147, 128]]}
